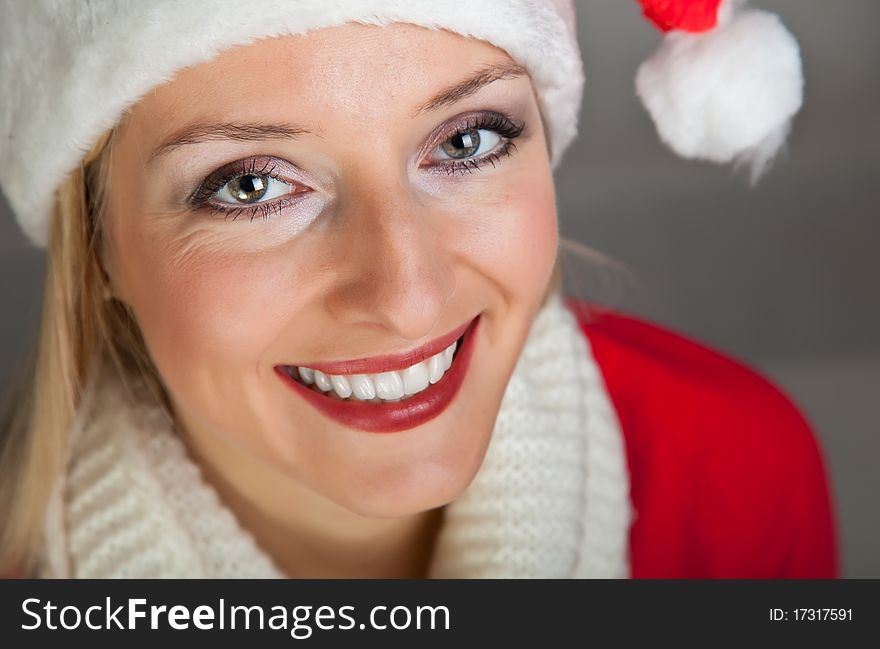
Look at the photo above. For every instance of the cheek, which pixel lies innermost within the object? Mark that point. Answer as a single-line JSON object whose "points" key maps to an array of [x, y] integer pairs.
{"points": [[204, 313], [516, 241], [537, 241]]}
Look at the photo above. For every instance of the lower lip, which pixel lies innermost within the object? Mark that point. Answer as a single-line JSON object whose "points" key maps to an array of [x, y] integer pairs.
{"points": [[397, 416]]}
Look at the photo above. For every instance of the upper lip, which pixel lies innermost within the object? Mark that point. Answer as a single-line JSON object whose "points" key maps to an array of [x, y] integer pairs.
{"points": [[390, 362]]}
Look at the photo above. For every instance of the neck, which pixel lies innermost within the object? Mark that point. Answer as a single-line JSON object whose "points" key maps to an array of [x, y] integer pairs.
{"points": [[307, 535]]}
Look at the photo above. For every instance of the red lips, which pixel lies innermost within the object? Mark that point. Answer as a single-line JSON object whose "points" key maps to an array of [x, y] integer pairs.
{"points": [[402, 415], [390, 362]]}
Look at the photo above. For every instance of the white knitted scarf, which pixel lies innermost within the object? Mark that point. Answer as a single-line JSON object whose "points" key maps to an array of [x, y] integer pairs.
{"points": [[551, 498]]}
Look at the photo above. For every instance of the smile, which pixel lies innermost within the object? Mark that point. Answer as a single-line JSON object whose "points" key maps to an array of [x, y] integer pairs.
{"points": [[387, 393]]}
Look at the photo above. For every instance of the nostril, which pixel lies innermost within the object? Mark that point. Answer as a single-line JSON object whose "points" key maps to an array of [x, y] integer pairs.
{"points": [[394, 282]]}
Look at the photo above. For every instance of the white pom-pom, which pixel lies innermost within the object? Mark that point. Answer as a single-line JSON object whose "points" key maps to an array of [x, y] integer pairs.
{"points": [[726, 95]]}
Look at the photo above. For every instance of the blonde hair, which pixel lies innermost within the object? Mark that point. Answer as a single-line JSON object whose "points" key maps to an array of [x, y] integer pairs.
{"points": [[80, 323]]}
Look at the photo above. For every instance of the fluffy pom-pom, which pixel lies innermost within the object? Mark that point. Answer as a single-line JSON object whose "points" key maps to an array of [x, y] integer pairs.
{"points": [[726, 95]]}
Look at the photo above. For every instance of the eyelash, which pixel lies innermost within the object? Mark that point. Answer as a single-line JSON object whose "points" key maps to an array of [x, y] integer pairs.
{"points": [[201, 198], [503, 125]]}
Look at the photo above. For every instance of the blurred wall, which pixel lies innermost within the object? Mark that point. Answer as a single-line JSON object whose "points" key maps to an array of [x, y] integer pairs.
{"points": [[783, 276]]}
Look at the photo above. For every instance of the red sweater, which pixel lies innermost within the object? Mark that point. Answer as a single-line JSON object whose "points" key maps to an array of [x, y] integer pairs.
{"points": [[727, 478]]}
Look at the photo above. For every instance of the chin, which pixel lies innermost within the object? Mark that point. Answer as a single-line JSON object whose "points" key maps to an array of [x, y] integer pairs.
{"points": [[415, 485]]}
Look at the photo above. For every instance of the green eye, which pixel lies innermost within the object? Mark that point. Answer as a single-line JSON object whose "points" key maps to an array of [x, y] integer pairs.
{"points": [[468, 143], [246, 189], [249, 188]]}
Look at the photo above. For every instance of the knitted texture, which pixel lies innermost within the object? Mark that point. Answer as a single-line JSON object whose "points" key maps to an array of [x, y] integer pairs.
{"points": [[551, 498]]}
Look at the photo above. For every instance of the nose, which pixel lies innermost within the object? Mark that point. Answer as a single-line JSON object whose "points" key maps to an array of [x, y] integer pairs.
{"points": [[392, 270]]}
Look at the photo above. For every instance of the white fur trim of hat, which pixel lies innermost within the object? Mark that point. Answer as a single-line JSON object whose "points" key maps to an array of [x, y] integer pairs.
{"points": [[70, 69]]}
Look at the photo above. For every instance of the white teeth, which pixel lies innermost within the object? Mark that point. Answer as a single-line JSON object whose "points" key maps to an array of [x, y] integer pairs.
{"points": [[389, 385], [323, 381], [362, 387], [447, 355], [307, 375], [415, 378], [341, 386], [436, 367]]}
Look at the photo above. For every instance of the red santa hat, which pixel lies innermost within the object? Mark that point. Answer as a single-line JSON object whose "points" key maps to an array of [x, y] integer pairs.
{"points": [[725, 83], [723, 86]]}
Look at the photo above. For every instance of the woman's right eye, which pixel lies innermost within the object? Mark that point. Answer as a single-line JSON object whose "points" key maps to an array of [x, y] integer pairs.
{"points": [[251, 188]]}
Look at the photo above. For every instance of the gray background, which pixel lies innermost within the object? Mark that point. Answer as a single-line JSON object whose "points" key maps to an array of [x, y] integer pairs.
{"points": [[782, 276]]}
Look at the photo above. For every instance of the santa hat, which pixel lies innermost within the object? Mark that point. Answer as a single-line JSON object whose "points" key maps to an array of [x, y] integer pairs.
{"points": [[723, 86], [725, 83]]}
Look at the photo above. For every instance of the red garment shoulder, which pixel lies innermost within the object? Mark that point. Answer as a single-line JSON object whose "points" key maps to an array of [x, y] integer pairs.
{"points": [[727, 477]]}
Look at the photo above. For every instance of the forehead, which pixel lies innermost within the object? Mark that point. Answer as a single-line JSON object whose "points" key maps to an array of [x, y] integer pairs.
{"points": [[362, 70]]}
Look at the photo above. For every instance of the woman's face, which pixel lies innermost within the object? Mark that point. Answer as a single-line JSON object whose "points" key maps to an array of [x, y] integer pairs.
{"points": [[311, 200]]}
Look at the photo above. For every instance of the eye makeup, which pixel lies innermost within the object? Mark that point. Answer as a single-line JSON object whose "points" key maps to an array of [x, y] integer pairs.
{"points": [[506, 127], [259, 171], [260, 167]]}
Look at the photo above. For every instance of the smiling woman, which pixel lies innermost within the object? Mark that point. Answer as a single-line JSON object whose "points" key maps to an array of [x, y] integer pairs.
{"points": [[377, 229], [303, 319]]}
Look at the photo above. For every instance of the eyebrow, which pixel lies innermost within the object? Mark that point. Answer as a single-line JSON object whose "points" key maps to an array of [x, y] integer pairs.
{"points": [[484, 76], [197, 133]]}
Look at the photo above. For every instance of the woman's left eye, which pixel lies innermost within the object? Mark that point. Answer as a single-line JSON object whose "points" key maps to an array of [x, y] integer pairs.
{"points": [[482, 138], [467, 144]]}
